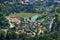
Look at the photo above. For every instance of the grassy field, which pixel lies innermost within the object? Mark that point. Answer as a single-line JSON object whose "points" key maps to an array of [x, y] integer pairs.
{"points": [[23, 15]]}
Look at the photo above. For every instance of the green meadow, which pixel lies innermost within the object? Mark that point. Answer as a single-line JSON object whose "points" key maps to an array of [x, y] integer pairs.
{"points": [[24, 14]]}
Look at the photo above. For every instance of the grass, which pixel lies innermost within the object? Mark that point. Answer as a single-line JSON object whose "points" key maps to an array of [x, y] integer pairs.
{"points": [[59, 18], [23, 14]]}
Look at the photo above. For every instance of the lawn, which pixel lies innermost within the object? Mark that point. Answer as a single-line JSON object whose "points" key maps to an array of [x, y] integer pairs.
{"points": [[24, 14]]}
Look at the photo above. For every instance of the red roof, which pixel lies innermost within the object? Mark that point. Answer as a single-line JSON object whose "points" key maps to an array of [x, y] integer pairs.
{"points": [[43, 29], [14, 20]]}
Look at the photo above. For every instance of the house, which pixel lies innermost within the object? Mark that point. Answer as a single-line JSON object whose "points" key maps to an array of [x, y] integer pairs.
{"points": [[14, 20], [42, 30], [31, 34], [21, 31]]}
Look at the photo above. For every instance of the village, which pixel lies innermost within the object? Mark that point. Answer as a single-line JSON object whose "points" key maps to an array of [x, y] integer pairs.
{"points": [[30, 20], [29, 25]]}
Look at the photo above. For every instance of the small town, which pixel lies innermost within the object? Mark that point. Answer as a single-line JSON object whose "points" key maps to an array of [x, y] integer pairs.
{"points": [[30, 20]]}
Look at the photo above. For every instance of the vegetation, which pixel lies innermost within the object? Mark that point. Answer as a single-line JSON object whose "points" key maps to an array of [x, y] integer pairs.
{"points": [[28, 10], [22, 14], [3, 21], [11, 35], [57, 9]]}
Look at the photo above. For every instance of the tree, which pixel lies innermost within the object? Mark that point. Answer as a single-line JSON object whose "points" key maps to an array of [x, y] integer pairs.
{"points": [[3, 8], [2, 35], [57, 9], [3, 21]]}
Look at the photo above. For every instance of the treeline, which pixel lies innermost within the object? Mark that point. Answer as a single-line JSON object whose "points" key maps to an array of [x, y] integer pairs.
{"points": [[18, 7]]}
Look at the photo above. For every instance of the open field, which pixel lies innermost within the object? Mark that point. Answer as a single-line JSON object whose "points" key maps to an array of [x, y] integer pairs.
{"points": [[24, 15]]}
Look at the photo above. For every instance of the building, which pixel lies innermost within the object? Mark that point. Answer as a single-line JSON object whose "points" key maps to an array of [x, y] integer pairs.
{"points": [[50, 2], [25, 1], [13, 1], [57, 2], [33, 0]]}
